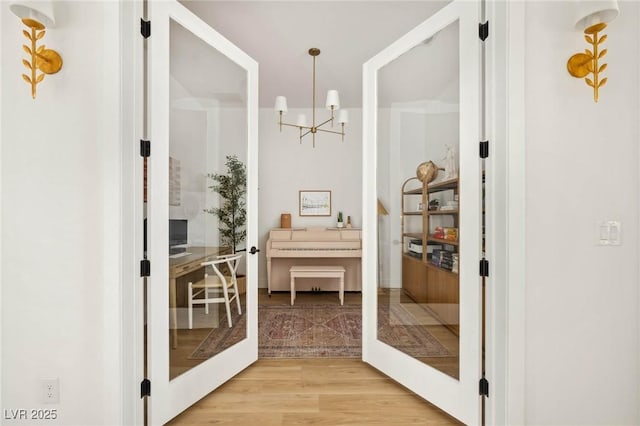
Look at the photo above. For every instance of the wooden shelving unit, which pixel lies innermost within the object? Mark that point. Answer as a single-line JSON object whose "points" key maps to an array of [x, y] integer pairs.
{"points": [[442, 241], [435, 287]]}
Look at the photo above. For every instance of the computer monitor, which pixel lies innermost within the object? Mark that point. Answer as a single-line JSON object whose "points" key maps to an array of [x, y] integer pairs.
{"points": [[177, 232]]}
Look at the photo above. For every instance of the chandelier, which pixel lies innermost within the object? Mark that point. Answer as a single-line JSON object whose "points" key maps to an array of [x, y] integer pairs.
{"points": [[332, 104]]}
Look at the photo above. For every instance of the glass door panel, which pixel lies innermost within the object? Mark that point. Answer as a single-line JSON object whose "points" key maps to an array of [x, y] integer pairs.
{"points": [[201, 210], [418, 96], [207, 205], [422, 307]]}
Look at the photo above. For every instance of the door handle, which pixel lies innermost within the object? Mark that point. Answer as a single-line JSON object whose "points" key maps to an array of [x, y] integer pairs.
{"points": [[254, 250]]}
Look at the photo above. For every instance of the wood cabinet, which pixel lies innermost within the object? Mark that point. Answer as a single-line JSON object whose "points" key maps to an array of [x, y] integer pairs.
{"points": [[431, 248], [414, 278], [443, 296]]}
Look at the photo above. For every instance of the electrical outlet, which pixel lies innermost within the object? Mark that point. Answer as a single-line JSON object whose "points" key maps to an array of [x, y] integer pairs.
{"points": [[50, 390]]}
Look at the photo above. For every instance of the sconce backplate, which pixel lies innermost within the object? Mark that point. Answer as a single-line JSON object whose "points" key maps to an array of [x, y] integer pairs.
{"points": [[580, 65], [49, 61]]}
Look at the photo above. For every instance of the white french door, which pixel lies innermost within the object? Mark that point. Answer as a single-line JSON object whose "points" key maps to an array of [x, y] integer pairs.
{"points": [[422, 101], [203, 110]]}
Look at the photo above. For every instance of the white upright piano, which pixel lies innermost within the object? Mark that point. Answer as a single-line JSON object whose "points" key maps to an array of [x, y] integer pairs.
{"points": [[314, 246]]}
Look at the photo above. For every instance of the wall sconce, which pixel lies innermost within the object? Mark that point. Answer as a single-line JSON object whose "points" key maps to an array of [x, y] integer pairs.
{"points": [[592, 17], [37, 15]]}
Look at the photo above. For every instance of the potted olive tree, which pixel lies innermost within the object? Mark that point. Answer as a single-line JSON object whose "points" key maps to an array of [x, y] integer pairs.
{"points": [[232, 213]]}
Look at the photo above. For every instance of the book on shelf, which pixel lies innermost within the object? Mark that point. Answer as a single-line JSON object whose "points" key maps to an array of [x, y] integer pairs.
{"points": [[432, 247], [442, 233], [415, 247], [443, 258]]}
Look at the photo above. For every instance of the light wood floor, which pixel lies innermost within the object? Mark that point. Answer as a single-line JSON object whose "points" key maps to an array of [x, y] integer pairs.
{"points": [[327, 391], [312, 392]]}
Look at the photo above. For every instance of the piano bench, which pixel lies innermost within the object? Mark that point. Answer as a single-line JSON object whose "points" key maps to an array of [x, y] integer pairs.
{"points": [[316, 272]]}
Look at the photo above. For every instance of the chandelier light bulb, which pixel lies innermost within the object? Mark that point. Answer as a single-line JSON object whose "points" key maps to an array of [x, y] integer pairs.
{"points": [[333, 100], [281, 104], [301, 121], [343, 116]]}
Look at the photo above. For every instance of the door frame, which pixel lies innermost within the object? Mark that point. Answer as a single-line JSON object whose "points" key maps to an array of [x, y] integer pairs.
{"points": [[506, 306], [505, 296], [505, 286], [133, 81]]}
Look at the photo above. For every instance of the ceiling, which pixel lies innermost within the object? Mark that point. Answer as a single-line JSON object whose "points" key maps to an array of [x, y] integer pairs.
{"points": [[278, 34]]}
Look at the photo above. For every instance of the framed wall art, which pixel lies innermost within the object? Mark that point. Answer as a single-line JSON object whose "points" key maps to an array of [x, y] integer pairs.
{"points": [[315, 203]]}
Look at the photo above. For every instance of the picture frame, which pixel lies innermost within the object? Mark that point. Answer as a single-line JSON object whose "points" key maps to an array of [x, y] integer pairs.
{"points": [[314, 202]]}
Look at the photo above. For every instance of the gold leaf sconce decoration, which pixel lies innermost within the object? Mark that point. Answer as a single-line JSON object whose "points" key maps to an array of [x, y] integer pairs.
{"points": [[41, 59], [581, 65], [592, 17]]}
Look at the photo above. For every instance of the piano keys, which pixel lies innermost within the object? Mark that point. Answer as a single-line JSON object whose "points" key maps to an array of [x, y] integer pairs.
{"points": [[313, 246]]}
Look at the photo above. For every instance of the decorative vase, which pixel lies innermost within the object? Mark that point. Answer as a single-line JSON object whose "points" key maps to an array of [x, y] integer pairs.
{"points": [[285, 220]]}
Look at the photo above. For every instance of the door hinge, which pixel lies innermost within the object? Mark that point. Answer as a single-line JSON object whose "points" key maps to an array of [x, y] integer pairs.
{"points": [[145, 388], [484, 268], [145, 268], [484, 149], [484, 387], [145, 148], [483, 31], [145, 28]]}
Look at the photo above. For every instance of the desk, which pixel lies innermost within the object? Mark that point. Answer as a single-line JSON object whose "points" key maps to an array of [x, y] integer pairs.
{"points": [[181, 266]]}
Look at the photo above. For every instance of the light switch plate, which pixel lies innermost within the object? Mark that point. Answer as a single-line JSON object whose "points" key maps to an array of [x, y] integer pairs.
{"points": [[609, 233]]}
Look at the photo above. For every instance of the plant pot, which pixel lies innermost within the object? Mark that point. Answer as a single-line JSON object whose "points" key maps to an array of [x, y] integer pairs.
{"points": [[340, 224]]}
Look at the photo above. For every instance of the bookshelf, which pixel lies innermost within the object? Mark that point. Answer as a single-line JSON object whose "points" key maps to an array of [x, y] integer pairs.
{"points": [[430, 245]]}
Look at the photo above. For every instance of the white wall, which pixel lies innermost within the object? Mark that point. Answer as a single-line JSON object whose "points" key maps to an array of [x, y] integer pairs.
{"points": [[203, 132], [188, 134], [388, 195], [286, 167], [582, 312], [60, 215]]}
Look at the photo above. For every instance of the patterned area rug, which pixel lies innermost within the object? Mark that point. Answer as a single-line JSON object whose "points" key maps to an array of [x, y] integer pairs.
{"points": [[400, 328], [319, 331], [310, 331], [223, 337]]}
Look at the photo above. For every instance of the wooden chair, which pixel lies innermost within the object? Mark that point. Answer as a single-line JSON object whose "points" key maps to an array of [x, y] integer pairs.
{"points": [[217, 288]]}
